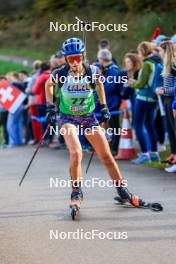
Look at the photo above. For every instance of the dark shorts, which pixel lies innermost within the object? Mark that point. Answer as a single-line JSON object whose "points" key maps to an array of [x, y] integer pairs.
{"points": [[85, 121]]}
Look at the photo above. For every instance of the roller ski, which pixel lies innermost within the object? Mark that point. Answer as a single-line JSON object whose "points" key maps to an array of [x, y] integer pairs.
{"points": [[125, 197], [75, 203]]}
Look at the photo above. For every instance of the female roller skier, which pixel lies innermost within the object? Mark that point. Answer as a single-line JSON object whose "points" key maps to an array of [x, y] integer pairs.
{"points": [[76, 109]]}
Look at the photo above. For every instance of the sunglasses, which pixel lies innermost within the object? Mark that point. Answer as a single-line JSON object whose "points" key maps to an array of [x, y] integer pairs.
{"points": [[72, 59]]}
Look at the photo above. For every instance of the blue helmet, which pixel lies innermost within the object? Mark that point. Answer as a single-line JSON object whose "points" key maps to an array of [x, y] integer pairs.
{"points": [[73, 46]]}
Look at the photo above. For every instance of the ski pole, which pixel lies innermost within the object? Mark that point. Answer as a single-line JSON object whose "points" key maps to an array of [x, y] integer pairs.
{"points": [[90, 160], [37, 148], [83, 24], [161, 107], [91, 157]]}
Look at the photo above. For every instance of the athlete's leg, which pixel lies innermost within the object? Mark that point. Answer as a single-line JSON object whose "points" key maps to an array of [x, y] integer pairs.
{"points": [[101, 146], [99, 142], [75, 150], [72, 141]]}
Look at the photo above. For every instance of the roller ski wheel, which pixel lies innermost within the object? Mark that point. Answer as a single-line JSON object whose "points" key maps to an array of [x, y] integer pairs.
{"points": [[75, 207], [75, 204]]}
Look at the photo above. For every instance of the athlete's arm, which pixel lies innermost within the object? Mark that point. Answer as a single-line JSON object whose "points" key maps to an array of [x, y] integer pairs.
{"points": [[101, 92], [102, 98], [49, 91]]}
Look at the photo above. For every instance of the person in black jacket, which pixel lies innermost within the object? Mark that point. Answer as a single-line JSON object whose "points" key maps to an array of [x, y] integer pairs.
{"points": [[112, 85]]}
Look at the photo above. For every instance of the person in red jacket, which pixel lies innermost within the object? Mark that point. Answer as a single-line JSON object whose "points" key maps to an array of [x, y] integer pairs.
{"points": [[38, 109]]}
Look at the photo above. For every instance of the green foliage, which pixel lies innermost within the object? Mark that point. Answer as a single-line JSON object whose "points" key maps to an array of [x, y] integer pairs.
{"points": [[7, 66], [151, 5], [43, 5], [19, 39], [120, 5], [11, 6], [117, 4]]}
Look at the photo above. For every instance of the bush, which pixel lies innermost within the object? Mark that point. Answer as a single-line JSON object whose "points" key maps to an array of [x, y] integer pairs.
{"points": [[137, 5], [43, 5]]}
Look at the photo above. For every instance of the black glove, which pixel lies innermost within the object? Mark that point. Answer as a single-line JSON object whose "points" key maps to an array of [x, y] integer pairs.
{"points": [[105, 113], [50, 114]]}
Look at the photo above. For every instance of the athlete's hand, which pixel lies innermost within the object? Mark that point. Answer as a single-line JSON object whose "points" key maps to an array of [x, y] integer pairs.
{"points": [[105, 113], [131, 82], [159, 90], [50, 114], [174, 113]]}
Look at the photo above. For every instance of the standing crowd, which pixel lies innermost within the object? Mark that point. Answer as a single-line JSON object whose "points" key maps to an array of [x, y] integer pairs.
{"points": [[150, 86]]}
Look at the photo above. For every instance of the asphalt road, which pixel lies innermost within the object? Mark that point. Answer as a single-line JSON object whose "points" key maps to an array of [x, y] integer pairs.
{"points": [[17, 59], [30, 214]]}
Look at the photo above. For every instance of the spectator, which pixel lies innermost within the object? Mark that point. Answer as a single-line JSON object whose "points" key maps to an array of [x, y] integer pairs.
{"points": [[174, 73], [58, 60], [53, 62], [38, 109], [169, 60], [156, 43], [104, 44], [132, 64], [3, 122], [112, 91], [15, 120], [24, 77], [145, 106], [174, 102], [35, 73], [25, 80], [173, 39], [160, 122]]}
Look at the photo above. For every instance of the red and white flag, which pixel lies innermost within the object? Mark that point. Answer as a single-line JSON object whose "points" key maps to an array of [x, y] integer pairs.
{"points": [[10, 97]]}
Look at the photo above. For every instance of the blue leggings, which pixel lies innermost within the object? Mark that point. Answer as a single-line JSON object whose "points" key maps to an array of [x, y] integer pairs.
{"points": [[15, 127], [144, 117]]}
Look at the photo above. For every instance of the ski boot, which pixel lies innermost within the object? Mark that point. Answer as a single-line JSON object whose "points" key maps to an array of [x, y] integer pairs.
{"points": [[126, 197], [75, 203]]}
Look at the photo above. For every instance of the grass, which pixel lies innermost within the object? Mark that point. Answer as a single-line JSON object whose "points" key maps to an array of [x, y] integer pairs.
{"points": [[1, 136], [163, 156], [7, 66], [26, 53]]}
